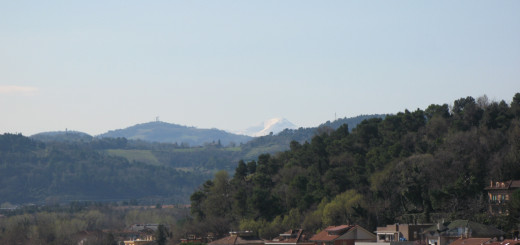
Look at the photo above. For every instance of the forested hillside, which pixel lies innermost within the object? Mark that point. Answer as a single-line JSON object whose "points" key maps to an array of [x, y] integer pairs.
{"points": [[32, 171], [281, 141], [414, 166], [172, 133], [62, 166]]}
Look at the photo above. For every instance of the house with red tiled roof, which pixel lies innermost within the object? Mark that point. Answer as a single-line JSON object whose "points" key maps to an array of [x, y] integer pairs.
{"points": [[239, 238], [499, 194], [343, 235], [505, 242], [448, 232], [471, 241], [291, 237]]}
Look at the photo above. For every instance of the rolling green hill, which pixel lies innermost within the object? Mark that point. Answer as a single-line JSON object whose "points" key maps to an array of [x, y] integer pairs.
{"points": [[172, 133], [32, 171], [62, 166]]}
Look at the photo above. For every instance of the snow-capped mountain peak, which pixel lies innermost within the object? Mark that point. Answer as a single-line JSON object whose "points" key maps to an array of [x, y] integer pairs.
{"points": [[274, 125]]}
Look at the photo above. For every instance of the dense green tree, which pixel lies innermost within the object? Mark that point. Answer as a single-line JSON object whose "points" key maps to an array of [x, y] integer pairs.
{"points": [[437, 110], [515, 105], [251, 167], [466, 113], [218, 201], [161, 235], [240, 171]]}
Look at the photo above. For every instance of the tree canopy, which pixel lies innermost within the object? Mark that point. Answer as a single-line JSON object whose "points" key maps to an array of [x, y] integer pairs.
{"points": [[414, 166]]}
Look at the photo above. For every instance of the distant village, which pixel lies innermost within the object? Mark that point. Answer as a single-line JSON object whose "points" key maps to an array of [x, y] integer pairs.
{"points": [[454, 232]]}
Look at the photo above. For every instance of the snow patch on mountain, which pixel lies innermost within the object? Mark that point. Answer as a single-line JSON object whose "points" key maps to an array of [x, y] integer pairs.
{"points": [[274, 125]]}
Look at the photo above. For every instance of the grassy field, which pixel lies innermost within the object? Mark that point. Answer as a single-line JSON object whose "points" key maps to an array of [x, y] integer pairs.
{"points": [[145, 156], [253, 153], [203, 149]]}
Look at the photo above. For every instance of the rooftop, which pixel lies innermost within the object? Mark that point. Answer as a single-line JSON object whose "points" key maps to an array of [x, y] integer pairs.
{"points": [[331, 233], [503, 185], [474, 229], [337, 228], [291, 237], [470, 241]]}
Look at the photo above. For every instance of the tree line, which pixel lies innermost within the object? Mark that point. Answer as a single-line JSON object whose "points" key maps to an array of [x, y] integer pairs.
{"points": [[46, 173], [91, 223], [414, 166]]}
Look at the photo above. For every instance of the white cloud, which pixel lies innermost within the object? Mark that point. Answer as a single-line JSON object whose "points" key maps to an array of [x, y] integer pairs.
{"points": [[23, 90]]}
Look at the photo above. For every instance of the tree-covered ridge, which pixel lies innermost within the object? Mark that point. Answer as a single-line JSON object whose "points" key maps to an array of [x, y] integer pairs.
{"points": [[203, 160], [270, 144], [414, 166], [63, 136], [173, 133], [70, 165], [31, 171]]}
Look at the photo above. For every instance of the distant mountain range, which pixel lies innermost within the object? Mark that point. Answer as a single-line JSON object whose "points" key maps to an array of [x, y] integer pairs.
{"points": [[71, 165], [274, 125], [173, 133], [163, 132]]}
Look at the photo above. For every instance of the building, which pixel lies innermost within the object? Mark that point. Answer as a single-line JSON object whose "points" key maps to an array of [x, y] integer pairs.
{"points": [[239, 238], [138, 234], [343, 235], [471, 241], [448, 232], [291, 237], [499, 193], [401, 232], [139, 242], [191, 238], [505, 242]]}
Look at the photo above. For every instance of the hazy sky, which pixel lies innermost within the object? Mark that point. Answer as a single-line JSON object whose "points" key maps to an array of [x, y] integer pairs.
{"points": [[95, 66]]}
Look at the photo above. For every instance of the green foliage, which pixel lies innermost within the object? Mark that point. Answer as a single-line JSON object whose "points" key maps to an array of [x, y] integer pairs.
{"points": [[171, 133], [62, 225], [57, 172], [514, 206], [161, 235], [73, 165], [414, 166], [144, 156], [342, 209]]}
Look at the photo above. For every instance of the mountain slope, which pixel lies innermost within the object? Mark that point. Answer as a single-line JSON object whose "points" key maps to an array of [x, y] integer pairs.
{"points": [[273, 125], [38, 172], [172, 133], [352, 122], [280, 142], [69, 166]]}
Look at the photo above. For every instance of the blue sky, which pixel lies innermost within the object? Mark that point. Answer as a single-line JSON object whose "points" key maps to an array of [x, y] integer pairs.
{"points": [[95, 66]]}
